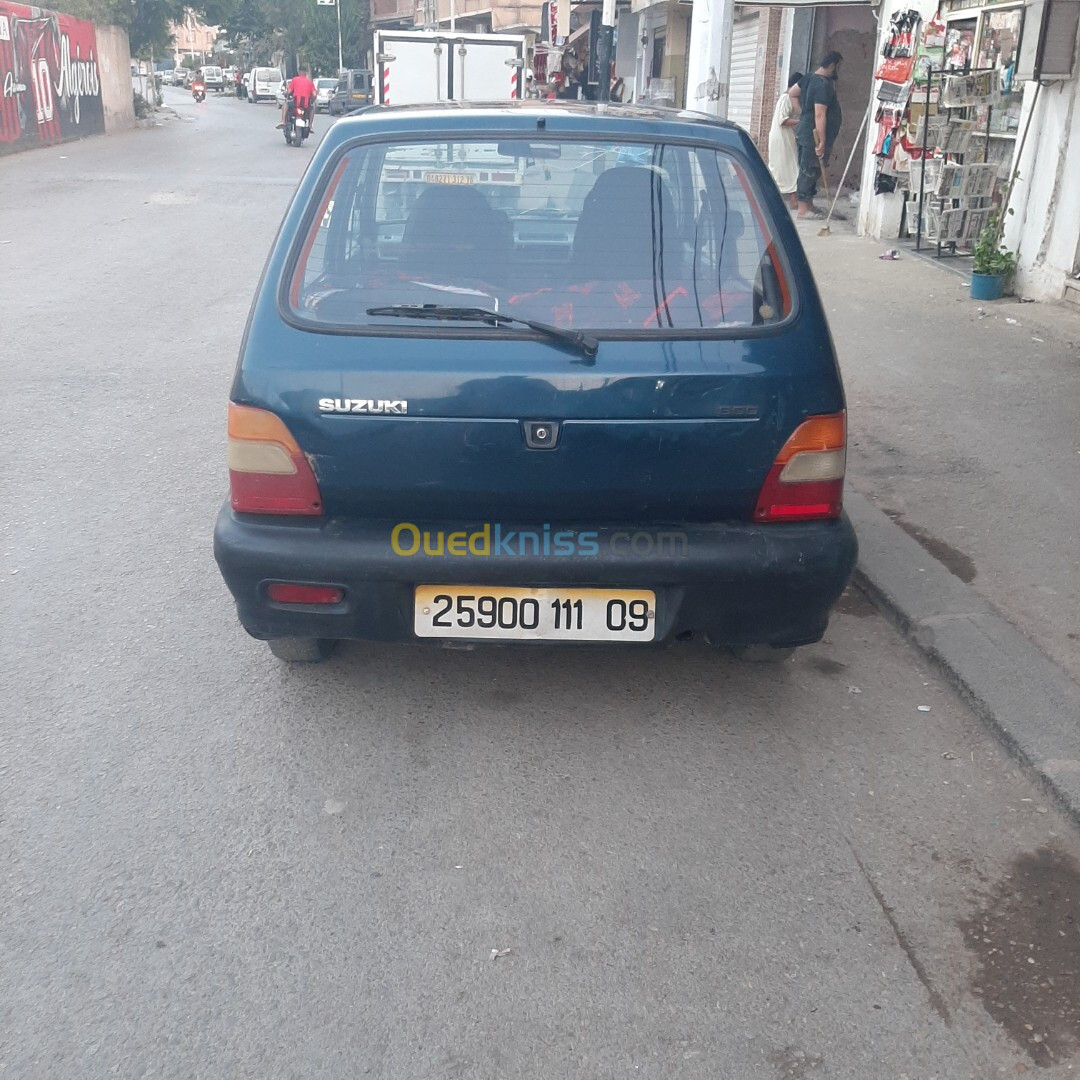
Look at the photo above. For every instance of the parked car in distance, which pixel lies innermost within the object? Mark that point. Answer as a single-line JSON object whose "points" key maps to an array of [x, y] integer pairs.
{"points": [[473, 406], [324, 90], [354, 91], [264, 84], [212, 78]]}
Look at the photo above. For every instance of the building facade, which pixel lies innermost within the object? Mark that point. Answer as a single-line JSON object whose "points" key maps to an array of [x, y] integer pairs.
{"points": [[494, 16], [193, 39]]}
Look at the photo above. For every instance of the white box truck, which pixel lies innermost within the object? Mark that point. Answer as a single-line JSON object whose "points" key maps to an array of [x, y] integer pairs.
{"points": [[422, 66]]}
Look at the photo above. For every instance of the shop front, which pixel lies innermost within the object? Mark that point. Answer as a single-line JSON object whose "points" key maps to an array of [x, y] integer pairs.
{"points": [[975, 121]]}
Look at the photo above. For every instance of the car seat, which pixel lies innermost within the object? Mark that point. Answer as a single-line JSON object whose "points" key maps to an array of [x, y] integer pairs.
{"points": [[628, 229], [453, 234]]}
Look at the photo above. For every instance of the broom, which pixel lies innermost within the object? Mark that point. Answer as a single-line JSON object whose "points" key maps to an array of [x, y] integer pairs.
{"points": [[824, 230]]}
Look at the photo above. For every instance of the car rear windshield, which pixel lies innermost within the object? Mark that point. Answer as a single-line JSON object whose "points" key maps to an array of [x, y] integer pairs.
{"points": [[268, 75], [622, 237]]}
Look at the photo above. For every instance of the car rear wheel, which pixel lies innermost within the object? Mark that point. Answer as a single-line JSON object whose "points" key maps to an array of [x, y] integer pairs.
{"points": [[298, 650], [762, 654]]}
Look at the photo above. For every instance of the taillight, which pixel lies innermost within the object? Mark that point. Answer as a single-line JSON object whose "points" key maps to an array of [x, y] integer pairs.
{"points": [[806, 481], [281, 592], [268, 472]]}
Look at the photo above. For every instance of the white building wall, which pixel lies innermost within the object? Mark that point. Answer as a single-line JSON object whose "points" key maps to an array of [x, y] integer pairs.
{"points": [[1045, 226]]}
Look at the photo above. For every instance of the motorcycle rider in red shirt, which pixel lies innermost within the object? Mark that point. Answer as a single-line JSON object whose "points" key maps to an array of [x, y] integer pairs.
{"points": [[302, 91]]}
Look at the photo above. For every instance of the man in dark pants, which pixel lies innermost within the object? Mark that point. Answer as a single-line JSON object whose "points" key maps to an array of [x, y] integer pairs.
{"points": [[819, 124]]}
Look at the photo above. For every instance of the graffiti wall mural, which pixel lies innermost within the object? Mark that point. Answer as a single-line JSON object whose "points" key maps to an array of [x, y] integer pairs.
{"points": [[51, 82]]}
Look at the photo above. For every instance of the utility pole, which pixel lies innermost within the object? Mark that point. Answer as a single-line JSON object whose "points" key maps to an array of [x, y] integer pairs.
{"points": [[709, 68], [340, 55], [604, 49]]}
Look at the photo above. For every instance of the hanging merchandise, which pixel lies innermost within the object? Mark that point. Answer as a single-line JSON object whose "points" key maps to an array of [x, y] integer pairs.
{"points": [[979, 181], [934, 34], [888, 118], [899, 48], [956, 137], [902, 30], [977, 88], [931, 51], [883, 183], [891, 91], [975, 222]]}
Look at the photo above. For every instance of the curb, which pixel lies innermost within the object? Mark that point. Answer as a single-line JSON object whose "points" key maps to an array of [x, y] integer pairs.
{"points": [[1030, 704]]}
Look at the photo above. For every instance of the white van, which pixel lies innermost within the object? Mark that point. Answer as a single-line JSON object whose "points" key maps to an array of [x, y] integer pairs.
{"points": [[212, 78], [264, 84]]}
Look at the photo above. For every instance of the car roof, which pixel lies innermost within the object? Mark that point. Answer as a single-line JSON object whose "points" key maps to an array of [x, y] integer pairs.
{"points": [[535, 117]]}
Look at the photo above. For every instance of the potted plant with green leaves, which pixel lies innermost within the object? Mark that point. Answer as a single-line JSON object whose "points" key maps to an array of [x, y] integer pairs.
{"points": [[993, 265]]}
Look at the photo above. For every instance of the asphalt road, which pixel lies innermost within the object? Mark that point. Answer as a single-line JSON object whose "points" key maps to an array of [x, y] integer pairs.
{"points": [[217, 866]]}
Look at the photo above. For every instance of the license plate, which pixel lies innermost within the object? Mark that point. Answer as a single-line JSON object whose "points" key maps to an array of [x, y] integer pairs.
{"points": [[479, 612], [301, 123], [454, 179]]}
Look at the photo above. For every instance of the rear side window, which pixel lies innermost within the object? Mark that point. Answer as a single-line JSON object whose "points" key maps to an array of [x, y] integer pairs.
{"points": [[610, 236]]}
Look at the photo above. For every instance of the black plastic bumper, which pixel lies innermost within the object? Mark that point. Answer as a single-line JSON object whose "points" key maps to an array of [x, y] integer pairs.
{"points": [[737, 583]]}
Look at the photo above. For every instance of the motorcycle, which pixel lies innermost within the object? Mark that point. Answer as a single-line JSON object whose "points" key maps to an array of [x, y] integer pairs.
{"points": [[297, 123], [198, 90]]}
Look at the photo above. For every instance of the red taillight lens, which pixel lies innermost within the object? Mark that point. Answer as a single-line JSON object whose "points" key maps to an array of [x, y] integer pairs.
{"points": [[268, 472], [806, 481], [282, 593]]}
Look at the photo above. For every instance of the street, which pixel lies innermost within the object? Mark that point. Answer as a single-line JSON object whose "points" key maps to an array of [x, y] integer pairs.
{"points": [[414, 862]]}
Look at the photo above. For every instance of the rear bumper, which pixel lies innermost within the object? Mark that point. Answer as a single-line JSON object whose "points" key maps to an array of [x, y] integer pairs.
{"points": [[737, 583]]}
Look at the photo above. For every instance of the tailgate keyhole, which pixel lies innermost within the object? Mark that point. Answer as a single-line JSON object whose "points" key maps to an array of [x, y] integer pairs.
{"points": [[540, 434]]}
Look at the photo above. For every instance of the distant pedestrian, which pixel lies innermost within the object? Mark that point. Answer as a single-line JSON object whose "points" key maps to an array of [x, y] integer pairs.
{"points": [[816, 131], [783, 150]]}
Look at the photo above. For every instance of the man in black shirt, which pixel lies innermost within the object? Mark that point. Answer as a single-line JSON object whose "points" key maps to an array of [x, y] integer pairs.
{"points": [[819, 124]]}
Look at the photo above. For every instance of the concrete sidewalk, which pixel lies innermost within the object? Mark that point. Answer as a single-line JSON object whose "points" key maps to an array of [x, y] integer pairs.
{"points": [[964, 474]]}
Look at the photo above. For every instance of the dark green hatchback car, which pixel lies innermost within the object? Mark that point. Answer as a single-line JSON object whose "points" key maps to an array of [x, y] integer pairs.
{"points": [[535, 372]]}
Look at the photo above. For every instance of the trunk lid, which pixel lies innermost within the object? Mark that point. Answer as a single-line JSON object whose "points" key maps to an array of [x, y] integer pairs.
{"points": [[680, 432]]}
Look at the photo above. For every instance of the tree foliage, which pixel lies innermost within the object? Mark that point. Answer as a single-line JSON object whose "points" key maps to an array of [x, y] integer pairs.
{"points": [[302, 30], [146, 21]]}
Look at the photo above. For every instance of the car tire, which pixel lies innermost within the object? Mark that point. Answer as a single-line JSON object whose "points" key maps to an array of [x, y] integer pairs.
{"points": [[298, 650], [762, 654]]}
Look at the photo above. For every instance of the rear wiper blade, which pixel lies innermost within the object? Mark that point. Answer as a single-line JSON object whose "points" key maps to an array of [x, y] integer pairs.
{"points": [[581, 341]]}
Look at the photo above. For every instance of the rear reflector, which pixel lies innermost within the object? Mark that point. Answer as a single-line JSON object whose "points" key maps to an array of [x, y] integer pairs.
{"points": [[806, 481], [268, 472], [282, 593]]}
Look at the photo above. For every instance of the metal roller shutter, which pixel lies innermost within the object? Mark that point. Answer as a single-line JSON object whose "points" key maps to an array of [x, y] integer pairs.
{"points": [[744, 40]]}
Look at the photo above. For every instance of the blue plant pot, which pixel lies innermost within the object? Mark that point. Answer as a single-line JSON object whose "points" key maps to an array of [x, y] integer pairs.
{"points": [[987, 286]]}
